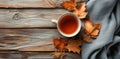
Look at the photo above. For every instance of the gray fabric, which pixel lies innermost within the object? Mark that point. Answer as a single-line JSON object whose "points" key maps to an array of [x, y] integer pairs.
{"points": [[107, 44]]}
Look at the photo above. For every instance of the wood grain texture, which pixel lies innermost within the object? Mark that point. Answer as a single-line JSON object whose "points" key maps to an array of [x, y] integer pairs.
{"points": [[29, 3], [42, 55], [49, 56], [10, 56], [29, 18], [29, 30], [23, 39]]}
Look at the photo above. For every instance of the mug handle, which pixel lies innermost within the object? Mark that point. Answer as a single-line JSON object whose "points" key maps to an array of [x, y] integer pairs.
{"points": [[54, 21]]}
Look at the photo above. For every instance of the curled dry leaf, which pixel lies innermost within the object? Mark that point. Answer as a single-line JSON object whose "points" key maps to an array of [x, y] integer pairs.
{"points": [[69, 5], [74, 45], [87, 39], [81, 11], [91, 29], [88, 27], [58, 55], [59, 44], [94, 34]]}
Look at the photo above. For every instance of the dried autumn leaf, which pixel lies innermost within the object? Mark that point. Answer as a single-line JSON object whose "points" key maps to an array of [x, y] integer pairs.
{"points": [[87, 39], [69, 5], [81, 11], [98, 26], [90, 29], [59, 43], [73, 45], [95, 33], [59, 55]]}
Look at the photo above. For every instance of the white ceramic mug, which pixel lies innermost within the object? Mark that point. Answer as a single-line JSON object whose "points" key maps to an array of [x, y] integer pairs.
{"points": [[68, 21]]}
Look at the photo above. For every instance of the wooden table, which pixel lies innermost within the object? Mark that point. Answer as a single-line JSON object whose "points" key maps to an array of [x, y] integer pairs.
{"points": [[26, 30]]}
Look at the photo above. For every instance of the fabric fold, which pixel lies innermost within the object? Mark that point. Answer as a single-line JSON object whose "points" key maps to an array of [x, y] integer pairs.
{"points": [[106, 12]]}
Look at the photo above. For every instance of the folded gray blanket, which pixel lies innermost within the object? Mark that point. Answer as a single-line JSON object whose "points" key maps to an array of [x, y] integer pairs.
{"points": [[107, 44]]}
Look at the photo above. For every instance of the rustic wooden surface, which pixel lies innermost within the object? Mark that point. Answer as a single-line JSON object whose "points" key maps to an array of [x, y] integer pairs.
{"points": [[29, 18], [29, 3], [28, 33], [21, 38], [23, 43], [43, 55]]}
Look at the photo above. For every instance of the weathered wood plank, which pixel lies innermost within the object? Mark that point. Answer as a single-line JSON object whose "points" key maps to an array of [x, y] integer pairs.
{"points": [[49, 56], [23, 39], [10, 56], [38, 48], [15, 39], [42, 55], [29, 3], [29, 18]]}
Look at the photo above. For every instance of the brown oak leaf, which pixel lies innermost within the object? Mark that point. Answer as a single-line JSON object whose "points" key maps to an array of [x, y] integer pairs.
{"points": [[69, 5], [59, 44], [74, 45], [81, 11], [91, 29]]}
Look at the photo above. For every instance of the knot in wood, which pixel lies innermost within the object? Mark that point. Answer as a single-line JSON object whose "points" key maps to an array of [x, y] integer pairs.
{"points": [[16, 16]]}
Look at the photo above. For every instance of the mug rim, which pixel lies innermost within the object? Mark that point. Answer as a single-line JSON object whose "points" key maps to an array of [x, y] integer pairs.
{"points": [[78, 29]]}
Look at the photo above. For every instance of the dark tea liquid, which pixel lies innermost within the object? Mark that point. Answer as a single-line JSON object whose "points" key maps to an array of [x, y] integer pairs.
{"points": [[68, 24]]}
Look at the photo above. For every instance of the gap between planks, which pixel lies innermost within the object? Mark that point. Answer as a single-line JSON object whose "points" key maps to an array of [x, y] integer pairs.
{"points": [[28, 27]]}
